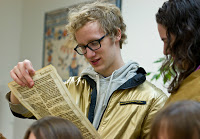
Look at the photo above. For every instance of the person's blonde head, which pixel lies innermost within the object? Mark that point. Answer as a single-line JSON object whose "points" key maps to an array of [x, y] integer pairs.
{"points": [[107, 15]]}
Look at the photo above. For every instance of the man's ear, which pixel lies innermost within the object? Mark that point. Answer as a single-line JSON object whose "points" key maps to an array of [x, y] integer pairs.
{"points": [[118, 36]]}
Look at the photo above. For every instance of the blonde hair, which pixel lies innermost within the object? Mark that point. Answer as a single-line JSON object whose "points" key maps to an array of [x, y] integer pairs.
{"points": [[107, 15]]}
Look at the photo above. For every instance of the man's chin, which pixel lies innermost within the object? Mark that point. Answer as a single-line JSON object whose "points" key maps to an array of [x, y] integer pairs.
{"points": [[98, 70]]}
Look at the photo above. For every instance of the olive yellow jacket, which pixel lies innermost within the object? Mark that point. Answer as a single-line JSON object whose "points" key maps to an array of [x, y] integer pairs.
{"points": [[129, 111], [188, 90]]}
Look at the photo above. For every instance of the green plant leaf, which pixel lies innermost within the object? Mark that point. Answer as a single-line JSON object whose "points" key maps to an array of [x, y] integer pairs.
{"points": [[169, 73], [159, 60], [168, 76], [155, 77], [165, 80], [148, 73]]}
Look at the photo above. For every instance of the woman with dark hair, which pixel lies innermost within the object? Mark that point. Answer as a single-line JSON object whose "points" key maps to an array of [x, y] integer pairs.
{"points": [[179, 29], [179, 120], [51, 127]]}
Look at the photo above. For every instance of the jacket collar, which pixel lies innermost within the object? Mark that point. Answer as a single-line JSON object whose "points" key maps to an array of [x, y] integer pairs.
{"points": [[138, 79]]}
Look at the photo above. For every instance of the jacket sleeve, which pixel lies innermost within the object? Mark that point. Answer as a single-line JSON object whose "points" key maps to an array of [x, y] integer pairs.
{"points": [[19, 110], [75, 86], [156, 104]]}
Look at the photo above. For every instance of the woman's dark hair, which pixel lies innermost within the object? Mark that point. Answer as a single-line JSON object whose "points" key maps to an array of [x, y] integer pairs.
{"points": [[181, 18], [180, 120], [51, 127]]}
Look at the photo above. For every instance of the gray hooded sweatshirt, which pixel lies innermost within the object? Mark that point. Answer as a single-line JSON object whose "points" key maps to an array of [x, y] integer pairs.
{"points": [[107, 85]]}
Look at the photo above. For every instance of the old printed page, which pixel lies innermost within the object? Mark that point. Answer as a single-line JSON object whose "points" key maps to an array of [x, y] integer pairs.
{"points": [[49, 96]]}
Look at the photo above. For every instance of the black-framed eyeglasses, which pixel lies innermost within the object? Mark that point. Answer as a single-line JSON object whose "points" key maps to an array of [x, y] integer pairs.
{"points": [[93, 45]]}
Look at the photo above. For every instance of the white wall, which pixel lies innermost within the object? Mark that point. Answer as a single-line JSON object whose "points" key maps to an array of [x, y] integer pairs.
{"points": [[21, 37], [21, 30], [33, 27], [10, 33], [144, 44]]}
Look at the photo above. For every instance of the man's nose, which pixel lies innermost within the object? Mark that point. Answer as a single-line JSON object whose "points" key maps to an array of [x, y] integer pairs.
{"points": [[89, 53]]}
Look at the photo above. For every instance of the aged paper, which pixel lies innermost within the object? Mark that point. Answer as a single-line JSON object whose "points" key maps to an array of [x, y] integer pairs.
{"points": [[49, 96]]}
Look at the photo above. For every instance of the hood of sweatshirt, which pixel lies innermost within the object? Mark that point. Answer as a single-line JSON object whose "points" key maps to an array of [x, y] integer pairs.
{"points": [[111, 83], [118, 77], [105, 86], [125, 77]]}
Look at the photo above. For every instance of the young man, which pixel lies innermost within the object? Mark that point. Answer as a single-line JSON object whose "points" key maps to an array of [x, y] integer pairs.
{"points": [[115, 96]]}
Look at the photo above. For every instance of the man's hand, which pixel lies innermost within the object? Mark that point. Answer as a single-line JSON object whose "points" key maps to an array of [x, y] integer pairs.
{"points": [[22, 73]]}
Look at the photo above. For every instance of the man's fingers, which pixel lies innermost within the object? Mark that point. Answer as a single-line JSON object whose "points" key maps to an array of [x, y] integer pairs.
{"points": [[22, 73], [25, 74], [16, 79], [29, 67]]}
